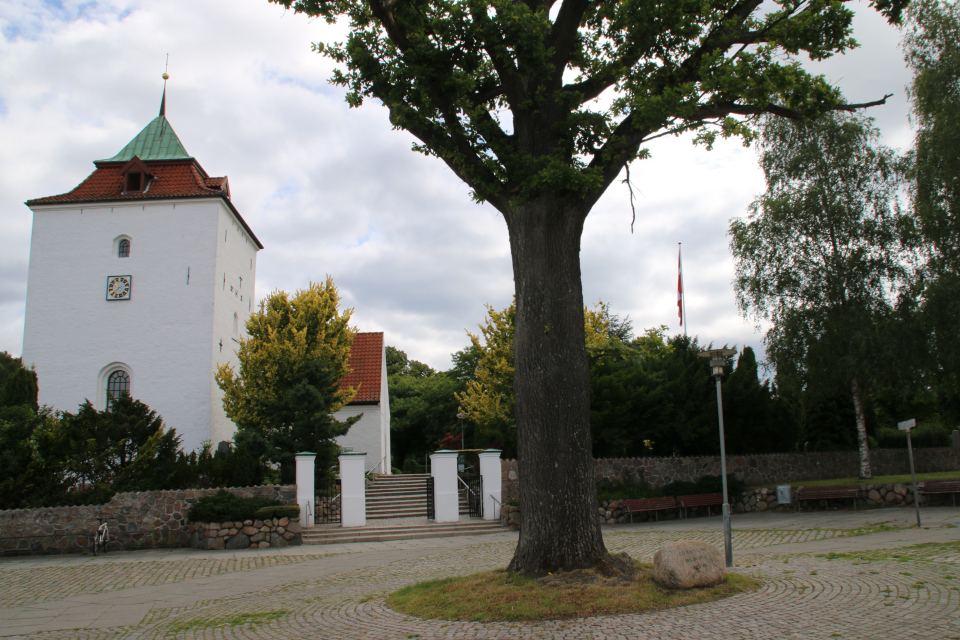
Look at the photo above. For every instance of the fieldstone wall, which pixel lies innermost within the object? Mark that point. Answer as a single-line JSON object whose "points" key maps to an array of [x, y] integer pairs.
{"points": [[881, 495], [278, 532], [754, 469], [137, 520]]}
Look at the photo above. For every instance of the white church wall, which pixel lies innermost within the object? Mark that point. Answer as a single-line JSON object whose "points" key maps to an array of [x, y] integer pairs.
{"points": [[162, 335], [366, 434], [233, 302]]}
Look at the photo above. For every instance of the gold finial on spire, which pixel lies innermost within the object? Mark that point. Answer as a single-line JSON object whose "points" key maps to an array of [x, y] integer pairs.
{"points": [[165, 76]]}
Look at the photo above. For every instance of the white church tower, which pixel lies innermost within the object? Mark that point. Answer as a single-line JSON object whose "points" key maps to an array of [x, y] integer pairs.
{"points": [[141, 279]]}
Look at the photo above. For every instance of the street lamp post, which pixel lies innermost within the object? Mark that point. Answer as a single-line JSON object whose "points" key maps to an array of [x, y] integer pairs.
{"points": [[463, 430], [718, 359]]}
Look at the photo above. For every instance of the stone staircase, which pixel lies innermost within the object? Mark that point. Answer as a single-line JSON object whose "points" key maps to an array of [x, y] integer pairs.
{"points": [[397, 510], [397, 496]]}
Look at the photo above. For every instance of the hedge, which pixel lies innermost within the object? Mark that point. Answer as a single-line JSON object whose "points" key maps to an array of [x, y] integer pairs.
{"points": [[225, 506]]}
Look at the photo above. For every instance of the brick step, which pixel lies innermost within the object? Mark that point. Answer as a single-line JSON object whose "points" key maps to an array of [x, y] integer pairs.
{"points": [[383, 534]]}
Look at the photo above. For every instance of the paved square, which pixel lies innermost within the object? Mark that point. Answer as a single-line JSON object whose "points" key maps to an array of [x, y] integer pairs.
{"points": [[863, 574]]}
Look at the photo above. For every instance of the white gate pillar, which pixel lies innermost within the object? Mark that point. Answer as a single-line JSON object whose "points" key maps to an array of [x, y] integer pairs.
{"points": [[353, 507], [446, 500], [305, 487], [491, 475]]}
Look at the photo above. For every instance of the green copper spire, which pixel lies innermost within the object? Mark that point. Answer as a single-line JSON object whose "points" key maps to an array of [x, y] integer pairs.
{"points": [[157, 141]]}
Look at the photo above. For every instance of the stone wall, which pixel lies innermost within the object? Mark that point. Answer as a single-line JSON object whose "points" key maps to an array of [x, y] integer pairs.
{"points": [[277, 532], [770, 468], [880, 495], [137, 520]]}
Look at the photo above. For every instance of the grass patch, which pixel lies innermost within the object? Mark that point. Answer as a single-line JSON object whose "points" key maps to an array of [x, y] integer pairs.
{"points": [[501, 596], [904, 478], [236, 620]]}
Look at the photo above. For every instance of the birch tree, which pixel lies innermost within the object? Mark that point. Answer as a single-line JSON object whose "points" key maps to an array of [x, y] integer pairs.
{"points": [[823, 255]]}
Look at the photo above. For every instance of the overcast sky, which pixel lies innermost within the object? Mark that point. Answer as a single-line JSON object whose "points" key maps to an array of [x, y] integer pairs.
{"points": [[332, 190]]}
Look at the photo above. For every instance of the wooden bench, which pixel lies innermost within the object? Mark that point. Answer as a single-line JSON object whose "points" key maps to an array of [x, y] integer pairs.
{"points": [[851, 491], [642, 505], [936, 487], [700, 500]]}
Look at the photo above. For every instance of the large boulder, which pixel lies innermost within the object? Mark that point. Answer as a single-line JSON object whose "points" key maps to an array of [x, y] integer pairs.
{"points": [[239, 541], [277, 540], [687, 564]]}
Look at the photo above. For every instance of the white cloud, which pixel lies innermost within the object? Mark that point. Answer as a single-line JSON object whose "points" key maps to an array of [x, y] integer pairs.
{"points": [[329, 189]]}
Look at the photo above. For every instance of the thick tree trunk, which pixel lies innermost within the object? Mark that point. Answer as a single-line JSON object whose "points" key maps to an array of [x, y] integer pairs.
{"points": [[560, 528], [865, 472]]}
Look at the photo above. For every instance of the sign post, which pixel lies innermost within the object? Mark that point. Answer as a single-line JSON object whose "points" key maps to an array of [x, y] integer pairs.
{"points": [[907, 425]]}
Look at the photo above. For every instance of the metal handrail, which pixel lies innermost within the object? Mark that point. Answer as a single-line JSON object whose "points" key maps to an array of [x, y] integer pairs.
{"points": [[379, 465], [466, 486], [309, 511], [499, 504]]}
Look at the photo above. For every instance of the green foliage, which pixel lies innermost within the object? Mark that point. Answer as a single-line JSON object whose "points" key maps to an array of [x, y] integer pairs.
{"points": [[286, 335], [300, 419], [706, 484], [932, 48], [125, 448], [288, 384], [446, 71], [20, 389], [422, 409], [923, 436], [823, 256], [235, 466], [754, 421], [828, 422], [224, 505], [30, 468], [488, 401], [283, 511], [629, 489], [8, 364]]}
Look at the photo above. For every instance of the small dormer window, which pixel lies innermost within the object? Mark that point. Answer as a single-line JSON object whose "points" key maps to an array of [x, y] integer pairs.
{"points": [[136, 176], [134, 181], [123, 248]]}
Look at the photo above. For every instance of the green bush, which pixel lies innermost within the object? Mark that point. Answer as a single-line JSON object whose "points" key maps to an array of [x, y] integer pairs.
{"points": [[224, 505], [922, 437], [706, 484], [682, 488], [629, 490], [291, 511]]}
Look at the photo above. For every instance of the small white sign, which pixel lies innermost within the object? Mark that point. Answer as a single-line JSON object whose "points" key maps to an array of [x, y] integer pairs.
{"points": [[906, 425]]}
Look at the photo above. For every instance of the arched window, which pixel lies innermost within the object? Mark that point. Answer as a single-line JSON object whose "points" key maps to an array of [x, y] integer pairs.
{"points": [[123, 248], [236, 325], [117, 383]]}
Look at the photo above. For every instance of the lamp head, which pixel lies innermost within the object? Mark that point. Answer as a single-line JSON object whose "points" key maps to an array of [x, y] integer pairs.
{"points": [[718, 360]]}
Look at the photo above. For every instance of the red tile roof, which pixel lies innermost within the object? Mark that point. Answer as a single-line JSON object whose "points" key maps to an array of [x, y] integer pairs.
{"points": [[366, 367], [181, 179], [170, 179]]}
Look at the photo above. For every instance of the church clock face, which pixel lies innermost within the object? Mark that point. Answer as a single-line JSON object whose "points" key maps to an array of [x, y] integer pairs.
{"points": [[118, 287]]}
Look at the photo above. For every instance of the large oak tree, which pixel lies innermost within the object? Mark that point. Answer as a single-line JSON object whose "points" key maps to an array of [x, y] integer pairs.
{"points": [[538, 106]]}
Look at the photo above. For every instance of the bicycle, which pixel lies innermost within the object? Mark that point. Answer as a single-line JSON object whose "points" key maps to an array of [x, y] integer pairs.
{"points": [[101, 537]]}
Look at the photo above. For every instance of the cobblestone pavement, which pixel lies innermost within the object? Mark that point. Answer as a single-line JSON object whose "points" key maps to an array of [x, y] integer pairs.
{"points": [[825, 575]]}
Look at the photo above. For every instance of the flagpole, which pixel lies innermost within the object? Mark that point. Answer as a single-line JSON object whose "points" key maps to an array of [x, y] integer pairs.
{"points": [[681, 301]]}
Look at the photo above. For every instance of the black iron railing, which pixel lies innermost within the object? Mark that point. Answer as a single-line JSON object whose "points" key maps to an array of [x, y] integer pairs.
{"points": [[327, 503], [431, 507], [474, 488]]}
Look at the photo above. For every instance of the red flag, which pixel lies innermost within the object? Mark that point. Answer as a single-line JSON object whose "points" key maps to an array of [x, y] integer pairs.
{"points": [[680, 287]]}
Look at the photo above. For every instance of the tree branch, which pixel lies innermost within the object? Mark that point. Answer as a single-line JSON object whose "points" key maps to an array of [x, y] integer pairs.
{"points": [[563, 35]]}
